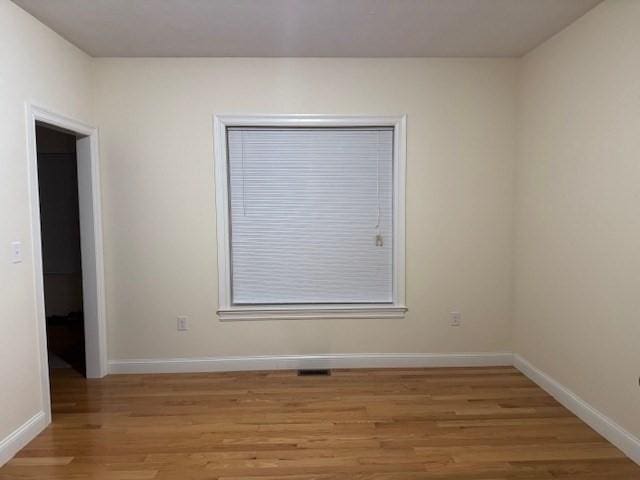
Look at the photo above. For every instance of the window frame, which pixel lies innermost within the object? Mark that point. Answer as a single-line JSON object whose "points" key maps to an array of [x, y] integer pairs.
{"points": [[228, 311]]}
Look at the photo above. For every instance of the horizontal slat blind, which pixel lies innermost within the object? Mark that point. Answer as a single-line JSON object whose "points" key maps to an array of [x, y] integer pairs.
{"points": [[306, 207]]}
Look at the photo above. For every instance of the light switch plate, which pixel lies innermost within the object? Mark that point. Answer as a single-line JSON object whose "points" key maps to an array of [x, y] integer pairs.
{"points": [[16, 252]]}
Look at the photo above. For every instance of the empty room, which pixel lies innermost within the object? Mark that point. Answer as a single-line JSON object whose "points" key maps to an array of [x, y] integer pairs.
{"points": [[320, 239]]}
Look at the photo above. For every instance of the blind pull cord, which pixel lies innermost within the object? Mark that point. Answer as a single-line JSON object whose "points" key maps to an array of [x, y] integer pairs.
{"points": [[244, 196], [379, 239]]}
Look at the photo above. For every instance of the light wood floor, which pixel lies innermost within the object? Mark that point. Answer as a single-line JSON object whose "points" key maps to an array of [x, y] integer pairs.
{"points": [[462, 423]]}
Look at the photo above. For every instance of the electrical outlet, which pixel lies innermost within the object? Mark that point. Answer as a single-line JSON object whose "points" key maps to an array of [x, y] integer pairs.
{"points": [[455, 319], [183, 324]]}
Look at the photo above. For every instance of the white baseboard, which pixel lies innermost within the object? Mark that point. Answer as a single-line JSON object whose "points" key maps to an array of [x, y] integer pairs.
{"points": [[292, 362], [22, 435], [621, 438]]}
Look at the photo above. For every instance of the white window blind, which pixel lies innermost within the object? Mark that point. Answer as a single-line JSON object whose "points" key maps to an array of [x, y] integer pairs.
{"points": [[310, 215]]}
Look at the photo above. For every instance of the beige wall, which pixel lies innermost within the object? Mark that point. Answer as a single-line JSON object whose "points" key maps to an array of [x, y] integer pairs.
{"points": [[578, 216], [36, 65], [155, 117]]}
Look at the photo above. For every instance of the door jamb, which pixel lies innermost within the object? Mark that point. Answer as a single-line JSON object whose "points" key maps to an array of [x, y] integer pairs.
{"points": [[35, 114]]}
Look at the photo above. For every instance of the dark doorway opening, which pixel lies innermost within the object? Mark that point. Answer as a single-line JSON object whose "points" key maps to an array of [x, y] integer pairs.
{"points": [[61, 254]]}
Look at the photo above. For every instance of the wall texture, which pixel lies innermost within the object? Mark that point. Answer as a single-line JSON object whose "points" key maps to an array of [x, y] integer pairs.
{"points": [[578, 214], [155, 117], [35, 65]]}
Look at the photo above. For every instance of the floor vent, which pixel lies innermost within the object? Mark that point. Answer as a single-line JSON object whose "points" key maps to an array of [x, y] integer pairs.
{"points": [[314, 372]]}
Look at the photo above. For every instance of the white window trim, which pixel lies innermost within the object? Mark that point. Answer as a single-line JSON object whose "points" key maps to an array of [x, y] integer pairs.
{"points": [[226, 310]]}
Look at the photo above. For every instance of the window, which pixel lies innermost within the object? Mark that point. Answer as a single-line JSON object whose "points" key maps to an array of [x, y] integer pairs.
{"points": [[310, 215]]}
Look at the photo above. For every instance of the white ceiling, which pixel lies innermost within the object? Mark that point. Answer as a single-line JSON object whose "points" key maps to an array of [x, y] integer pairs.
{"points": [[307, 28]]}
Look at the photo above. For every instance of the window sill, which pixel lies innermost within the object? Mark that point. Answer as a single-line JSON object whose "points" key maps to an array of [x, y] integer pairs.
{"points": [[311, 312]]}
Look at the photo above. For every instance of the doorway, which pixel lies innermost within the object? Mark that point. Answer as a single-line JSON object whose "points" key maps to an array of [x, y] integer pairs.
{"points": [[61, 250], [63, 153]]}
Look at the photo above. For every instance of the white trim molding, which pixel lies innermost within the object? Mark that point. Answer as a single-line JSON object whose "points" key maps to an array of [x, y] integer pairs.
{"points": [[616, 434], [22, 435], [226, 309], [292, 312], [293, 362], [95, 330]]}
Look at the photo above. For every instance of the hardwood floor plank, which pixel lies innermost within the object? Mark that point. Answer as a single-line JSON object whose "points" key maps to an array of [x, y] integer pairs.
{"points": [[400, 424]]}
